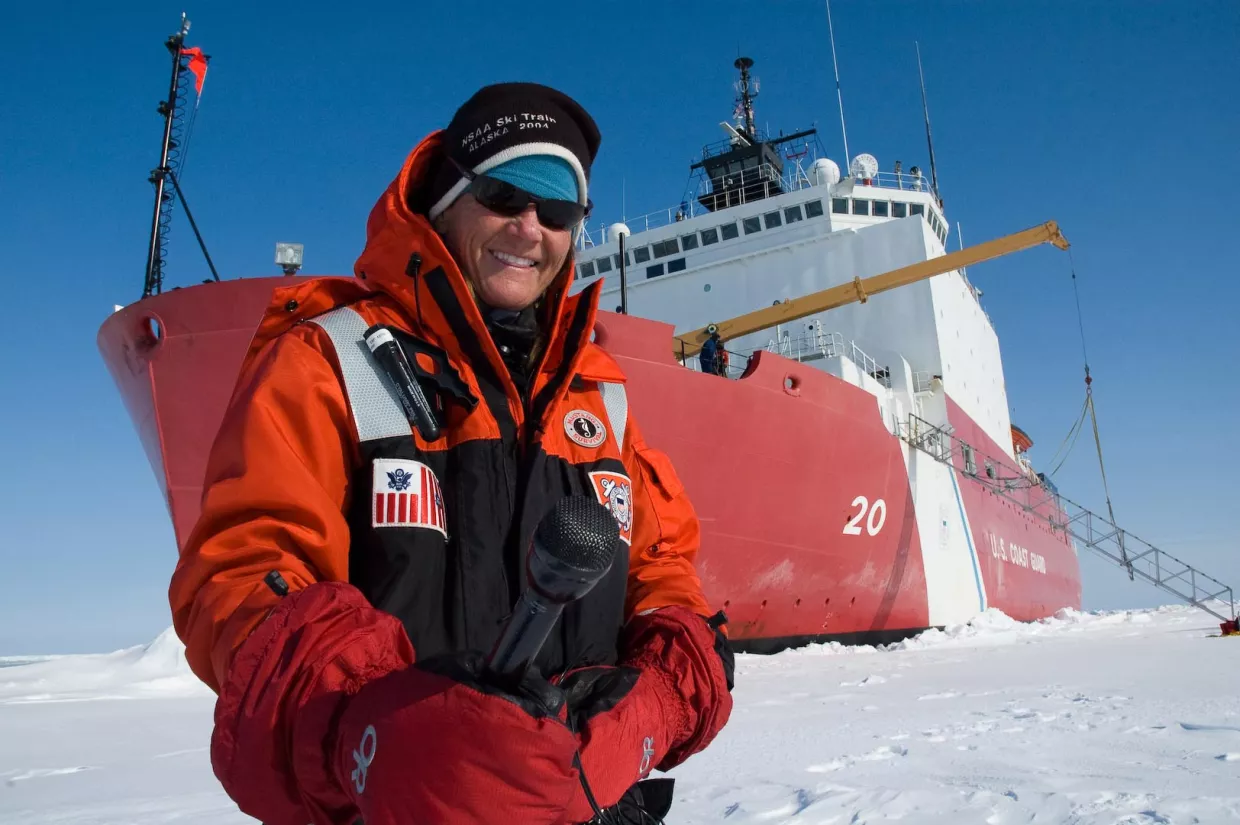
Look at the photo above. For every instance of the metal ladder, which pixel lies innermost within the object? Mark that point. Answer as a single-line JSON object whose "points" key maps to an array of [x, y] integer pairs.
{"points": [[1136, 556]]}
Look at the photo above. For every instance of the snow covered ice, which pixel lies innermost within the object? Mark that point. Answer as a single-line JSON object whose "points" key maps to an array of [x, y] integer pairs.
{"points": [[1118, 718]]}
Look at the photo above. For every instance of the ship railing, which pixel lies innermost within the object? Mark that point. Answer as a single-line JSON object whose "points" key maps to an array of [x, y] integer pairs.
{"points": [[754, 178], [748, 183], [793, 179], [819, 344], [1040, 498], [808, 347], [591, 238], [727, 144], [738, 362], [894, 180], [935, 441], [923, 381]]}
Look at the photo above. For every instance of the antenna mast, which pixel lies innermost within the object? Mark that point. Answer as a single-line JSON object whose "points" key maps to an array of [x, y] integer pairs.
{"points": [[934, 176], [746, 100], [839, 94], [163, 199]]}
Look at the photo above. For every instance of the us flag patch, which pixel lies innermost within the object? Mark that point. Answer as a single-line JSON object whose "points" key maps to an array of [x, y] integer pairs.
{"points": [[407, 494]]}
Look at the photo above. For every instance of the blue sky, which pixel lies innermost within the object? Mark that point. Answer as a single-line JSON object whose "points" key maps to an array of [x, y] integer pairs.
{"points": [[1117, 120]]}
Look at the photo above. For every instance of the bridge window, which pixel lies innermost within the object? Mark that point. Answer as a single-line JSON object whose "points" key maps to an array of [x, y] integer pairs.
{"points": [[729, 231], [861, 206], [792, 214], [664, 248], [616, 259], [641, 254], [752, 225], [587, 269], [654, 271], [917, 208], [675, 265], [710, 236], [688, 242], [813, 209], [772, 220], [839, 206], [604, 264], [880, 209], [899, 210]]}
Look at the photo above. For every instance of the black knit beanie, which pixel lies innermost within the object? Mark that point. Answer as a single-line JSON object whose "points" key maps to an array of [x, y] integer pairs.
{"points": [[506, 121]]}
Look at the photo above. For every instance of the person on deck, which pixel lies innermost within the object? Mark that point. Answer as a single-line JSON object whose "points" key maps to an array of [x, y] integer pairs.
{"points": [[350, 569], [708, 358]]}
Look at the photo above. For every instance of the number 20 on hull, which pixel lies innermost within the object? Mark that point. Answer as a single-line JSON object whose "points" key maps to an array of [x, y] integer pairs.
{"points": [[872, 516]]}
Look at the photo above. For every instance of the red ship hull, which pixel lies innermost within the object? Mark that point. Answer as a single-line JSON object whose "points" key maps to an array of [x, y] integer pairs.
{"points": [[775, 464]]}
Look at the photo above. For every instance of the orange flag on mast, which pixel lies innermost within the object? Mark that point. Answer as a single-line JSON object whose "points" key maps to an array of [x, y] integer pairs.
{"points": [[197, 65]]}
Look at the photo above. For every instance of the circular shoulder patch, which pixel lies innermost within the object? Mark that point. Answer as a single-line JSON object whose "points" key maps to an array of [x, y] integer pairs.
{"points": [[584, 428]]}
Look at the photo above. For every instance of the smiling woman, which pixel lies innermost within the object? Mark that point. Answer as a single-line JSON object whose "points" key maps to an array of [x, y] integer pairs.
{"points": [[510, 260], [336, 546]]}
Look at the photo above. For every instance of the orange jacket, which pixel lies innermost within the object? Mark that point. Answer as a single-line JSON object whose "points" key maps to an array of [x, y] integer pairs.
{"points": [[278, 479]]}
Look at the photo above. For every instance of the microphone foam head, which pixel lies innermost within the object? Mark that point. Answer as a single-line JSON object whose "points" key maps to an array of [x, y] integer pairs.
{"points": [[574, 546]]}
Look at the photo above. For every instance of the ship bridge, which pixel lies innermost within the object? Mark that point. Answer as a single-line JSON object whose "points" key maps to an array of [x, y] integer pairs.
{"points": [[760, 212]]}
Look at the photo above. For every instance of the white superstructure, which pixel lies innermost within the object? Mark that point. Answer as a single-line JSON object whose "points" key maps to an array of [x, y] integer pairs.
{"points": [[708, 266]]}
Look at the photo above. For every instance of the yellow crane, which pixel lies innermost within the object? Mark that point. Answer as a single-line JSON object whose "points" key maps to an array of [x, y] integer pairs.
{"points": [[860, 289]]}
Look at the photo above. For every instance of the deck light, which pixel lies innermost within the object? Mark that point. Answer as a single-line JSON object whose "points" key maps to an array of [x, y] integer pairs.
{"points": [[289, 257]]}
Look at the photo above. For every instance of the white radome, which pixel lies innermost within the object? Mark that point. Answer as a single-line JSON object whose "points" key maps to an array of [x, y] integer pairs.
{"points": [[824, 172], [616, 230]]}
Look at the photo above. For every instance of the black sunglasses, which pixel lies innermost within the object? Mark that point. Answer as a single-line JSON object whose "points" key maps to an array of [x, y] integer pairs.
{"points": [[505, 199]]}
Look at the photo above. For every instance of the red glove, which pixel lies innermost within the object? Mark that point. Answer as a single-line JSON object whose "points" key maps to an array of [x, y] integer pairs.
{"points": [[417, 746], [666, 701], [323, 720]]}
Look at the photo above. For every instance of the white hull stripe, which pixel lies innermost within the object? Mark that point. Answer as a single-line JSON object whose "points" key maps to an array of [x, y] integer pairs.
{"points": [[968, 536]]}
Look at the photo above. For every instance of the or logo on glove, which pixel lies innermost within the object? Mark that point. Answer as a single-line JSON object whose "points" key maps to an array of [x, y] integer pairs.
{"points": [[647, 755], [364, 757]]}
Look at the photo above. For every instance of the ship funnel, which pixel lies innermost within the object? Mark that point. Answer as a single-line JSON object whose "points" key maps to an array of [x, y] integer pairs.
{"points": [[617, 230]]}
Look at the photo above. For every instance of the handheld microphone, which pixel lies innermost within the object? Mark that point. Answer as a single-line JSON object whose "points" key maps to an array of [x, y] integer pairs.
{"points": [[573, 548], [391, 358]]}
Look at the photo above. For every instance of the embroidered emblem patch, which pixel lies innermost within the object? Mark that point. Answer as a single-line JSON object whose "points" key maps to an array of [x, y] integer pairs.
{"points": [[407, 494], [584, 428], [615, 492]]}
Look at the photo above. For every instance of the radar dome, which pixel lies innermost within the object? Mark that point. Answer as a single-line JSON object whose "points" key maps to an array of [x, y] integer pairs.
{"points": [[824, 172], [864, 166], [616, 230]]}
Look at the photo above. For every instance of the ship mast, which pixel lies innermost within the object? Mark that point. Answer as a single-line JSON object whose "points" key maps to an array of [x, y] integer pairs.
{"points": [[172, 158], [748, 93], [164, 199]]}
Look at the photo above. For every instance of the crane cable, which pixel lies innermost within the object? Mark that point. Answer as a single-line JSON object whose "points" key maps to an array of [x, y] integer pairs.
{"points": [[1060, 457], [1093, 415]]}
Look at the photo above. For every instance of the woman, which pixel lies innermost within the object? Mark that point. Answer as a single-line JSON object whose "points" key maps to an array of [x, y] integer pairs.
{"points": [[350, 568]]}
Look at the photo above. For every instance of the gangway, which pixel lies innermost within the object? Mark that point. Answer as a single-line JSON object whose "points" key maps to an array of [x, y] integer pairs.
{"points": [[1097, 533]]}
